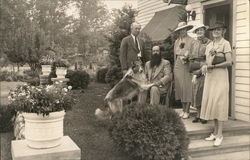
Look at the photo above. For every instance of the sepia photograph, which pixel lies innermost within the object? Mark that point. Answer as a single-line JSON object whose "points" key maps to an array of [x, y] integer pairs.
{"points": [[124, 80]]}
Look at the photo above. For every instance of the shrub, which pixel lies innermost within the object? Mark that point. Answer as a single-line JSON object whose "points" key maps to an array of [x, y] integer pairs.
{"points": [[100, 75], [6, 114], [33, 81], [150, 133], [31, 73], [11, 76], [114, 75], [78, 79]]}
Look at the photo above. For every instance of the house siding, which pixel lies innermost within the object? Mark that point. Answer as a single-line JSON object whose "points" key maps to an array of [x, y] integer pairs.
{"points": [[242, 61], [241, 44]]}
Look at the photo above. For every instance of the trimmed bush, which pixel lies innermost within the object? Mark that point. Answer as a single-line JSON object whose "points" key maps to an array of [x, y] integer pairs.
{"points": [[78, 79], [114, 75], [150, 133], [101, 74], [6, 114]]}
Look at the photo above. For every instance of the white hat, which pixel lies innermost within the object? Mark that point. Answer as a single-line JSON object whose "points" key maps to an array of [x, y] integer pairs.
{"points": [[199, 26], [183, 25]]}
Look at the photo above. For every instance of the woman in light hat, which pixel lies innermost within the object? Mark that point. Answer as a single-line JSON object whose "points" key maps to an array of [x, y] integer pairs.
{"points": [[215, 100], [182, 76], [197, 59]]}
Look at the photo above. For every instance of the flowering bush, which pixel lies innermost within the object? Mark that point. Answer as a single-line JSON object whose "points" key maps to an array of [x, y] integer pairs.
{"points": [[41, 99]]}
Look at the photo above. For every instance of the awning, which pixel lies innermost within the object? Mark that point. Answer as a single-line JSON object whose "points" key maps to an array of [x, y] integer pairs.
{"points": [[163, 23]]}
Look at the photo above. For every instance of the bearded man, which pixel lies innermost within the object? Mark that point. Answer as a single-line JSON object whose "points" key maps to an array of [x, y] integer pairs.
{"points": [[159, 76]]}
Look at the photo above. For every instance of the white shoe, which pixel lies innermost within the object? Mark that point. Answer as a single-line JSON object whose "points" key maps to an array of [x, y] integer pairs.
{"points": [[181, 114], [186, 115], [218, 141], [211, 137]]}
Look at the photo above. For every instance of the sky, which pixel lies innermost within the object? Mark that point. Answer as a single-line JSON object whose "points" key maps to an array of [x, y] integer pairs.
{"points": [[118, 4]]}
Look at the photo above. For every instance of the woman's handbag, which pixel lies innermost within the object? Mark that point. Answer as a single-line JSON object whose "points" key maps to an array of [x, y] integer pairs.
{"points": [[194, 65], [219, 59]]}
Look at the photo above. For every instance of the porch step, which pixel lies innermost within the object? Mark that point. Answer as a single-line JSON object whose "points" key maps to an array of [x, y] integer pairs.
{"points": [[242, 155], [201, 148], [233, 131]]}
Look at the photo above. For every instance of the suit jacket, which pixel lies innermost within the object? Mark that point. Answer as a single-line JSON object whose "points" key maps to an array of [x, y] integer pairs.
{"points": [[162, 74], [128, 52]]}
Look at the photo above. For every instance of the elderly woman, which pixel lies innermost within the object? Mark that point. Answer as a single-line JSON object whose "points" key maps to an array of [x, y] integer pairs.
{"points": [[183, 84], [215, 98], [197, 59]]}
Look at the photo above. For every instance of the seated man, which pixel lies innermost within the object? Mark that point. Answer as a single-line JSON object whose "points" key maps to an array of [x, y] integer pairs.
{"points": [[158, 74]]}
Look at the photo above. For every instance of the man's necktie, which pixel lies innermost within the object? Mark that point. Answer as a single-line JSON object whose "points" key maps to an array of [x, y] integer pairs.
{"points": [[136, 44]]}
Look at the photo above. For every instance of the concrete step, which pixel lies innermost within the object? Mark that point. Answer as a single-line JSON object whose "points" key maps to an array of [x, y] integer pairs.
{"points": [[242, 155], [200, 147]]}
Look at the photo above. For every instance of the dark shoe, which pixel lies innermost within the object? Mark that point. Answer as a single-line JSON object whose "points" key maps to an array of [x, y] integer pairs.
{"points": [[196, 120], [203, 121]]}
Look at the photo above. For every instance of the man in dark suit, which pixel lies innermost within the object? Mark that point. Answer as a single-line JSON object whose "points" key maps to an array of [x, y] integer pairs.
{"points": [[132, 48], [159, 76]]}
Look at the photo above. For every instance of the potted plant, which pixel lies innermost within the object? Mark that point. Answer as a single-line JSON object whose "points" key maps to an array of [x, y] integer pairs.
{"points": [[46, 64], [61, 68], [43, 108]]}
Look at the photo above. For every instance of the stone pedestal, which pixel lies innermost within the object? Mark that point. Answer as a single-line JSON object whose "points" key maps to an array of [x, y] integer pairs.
{"points": [[67, 150]]}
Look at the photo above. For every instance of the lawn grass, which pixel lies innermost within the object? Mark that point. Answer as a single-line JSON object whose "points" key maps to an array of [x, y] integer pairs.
{"points": [[80, 124]]}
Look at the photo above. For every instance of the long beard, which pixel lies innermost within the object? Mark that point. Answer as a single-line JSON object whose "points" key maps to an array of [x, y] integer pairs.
{"points": [[155, 60]]}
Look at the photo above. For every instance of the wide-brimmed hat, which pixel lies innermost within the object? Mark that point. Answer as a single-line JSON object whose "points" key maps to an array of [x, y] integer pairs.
{"points": [[199, 26], [217, 25], [183, 25]]}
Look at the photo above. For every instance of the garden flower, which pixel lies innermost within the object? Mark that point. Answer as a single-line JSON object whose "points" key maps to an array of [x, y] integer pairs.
{"points": [[69, 87], [65, 89], [41, 99]]}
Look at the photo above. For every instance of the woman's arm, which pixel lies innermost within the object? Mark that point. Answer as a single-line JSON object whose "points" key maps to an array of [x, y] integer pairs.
{"points": [[225, 64]]}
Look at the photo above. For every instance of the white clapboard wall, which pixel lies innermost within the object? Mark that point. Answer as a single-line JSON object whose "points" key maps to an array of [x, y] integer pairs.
{"points": [[241, 88]]}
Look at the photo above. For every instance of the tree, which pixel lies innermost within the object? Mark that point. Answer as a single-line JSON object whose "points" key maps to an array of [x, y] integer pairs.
{"points": [[118, 30]]}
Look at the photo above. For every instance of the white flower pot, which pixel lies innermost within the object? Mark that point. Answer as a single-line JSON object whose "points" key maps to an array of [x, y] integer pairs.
{"points": [[46, 69], [61, 72], [43, 131]]}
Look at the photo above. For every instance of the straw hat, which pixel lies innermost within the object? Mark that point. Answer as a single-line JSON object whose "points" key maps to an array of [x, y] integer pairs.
{"points": [[199, 26], [217, 25], [183, 25]]}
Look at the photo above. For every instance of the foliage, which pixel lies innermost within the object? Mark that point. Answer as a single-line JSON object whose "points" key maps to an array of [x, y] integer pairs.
{"points": [[120, 29], [41, 99], [29, 27], [101, 74], [34, 81], [78, 79], [150, 133], [31, 73], [11, 76], [61, 63], [6, 114], [114, 75]]}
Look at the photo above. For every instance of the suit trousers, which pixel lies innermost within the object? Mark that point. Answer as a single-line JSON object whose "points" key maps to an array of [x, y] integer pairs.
{"points": [[154, 96]]}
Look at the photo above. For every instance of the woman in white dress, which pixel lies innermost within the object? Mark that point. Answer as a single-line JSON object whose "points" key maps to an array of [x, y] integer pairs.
{"points": [[215, 100]]}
